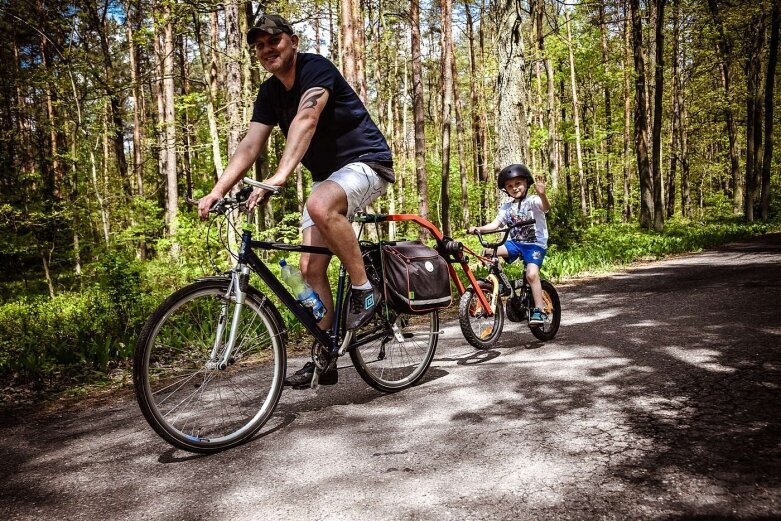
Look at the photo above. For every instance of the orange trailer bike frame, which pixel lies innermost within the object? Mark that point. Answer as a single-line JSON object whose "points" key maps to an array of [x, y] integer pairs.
{"points": [[450, 250]]}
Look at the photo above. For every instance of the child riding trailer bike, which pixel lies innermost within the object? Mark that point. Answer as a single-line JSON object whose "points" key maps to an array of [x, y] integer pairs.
{"points": [[523, 222]]}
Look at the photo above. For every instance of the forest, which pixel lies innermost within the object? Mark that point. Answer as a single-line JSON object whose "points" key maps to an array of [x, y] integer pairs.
{"points": [[653, 122]]}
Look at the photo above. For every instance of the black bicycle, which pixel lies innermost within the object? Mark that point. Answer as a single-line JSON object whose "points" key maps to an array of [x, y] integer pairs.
{"points": [[482, 328], [210, 361]]}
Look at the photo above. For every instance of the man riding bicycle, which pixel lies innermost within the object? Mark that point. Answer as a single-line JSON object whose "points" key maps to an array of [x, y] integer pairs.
{"points": [[327, 129]]}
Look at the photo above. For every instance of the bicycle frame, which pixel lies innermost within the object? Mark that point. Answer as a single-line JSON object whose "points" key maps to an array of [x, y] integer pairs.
{"points": [[247, 258]]}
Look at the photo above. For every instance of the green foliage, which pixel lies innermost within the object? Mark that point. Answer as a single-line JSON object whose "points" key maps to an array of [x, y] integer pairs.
{"points": [[73, 334], [119, 279], [609, 245], [148, 223], [566, 225]]}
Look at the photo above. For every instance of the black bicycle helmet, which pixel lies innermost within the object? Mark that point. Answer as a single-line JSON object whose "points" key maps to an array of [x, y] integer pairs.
{"points": [[513, 171]]}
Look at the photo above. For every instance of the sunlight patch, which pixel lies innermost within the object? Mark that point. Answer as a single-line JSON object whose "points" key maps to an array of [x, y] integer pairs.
{"points": [[703, 358], [604, 314]]}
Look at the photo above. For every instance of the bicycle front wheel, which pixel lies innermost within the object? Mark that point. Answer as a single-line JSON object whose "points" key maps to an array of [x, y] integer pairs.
{"points": [[394, 351], [185, 394], [479, 329]]}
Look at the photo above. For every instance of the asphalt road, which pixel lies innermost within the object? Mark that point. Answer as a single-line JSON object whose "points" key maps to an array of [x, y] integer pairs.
{"points": [[659, 399]]}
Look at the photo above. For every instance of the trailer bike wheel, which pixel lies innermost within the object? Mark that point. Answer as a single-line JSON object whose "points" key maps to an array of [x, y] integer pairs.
{"points": [[480, 330]]}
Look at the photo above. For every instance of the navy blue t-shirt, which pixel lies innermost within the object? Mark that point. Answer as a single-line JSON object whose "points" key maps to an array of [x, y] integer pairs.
{"points": [[345, 132]]}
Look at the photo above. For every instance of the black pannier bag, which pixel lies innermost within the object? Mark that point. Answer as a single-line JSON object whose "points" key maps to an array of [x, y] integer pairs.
{"points": [[417, 279]]}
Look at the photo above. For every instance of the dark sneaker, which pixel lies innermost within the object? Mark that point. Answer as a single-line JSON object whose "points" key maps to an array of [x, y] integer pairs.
{"points": [[363, 304], [537, 318], [302, 378]]}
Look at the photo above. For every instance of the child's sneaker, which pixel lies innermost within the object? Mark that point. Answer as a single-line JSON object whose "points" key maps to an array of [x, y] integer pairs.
{"points": [[537, 317]]}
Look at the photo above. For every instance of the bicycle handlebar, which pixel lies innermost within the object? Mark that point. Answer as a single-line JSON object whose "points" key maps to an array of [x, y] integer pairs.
{"points": [[240, 199], [506, 232], [258, 184]]}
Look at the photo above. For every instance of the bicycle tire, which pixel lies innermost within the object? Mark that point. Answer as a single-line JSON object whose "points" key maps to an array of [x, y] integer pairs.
{"points": [[548, 330], [182, 394], [479, 330], [394, 351]]}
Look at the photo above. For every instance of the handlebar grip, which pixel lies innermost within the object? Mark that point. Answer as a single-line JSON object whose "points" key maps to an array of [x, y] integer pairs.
{"points": [[361, 217]]}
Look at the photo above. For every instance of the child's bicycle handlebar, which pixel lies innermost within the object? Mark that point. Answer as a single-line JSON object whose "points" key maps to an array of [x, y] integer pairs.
{"points": [[505, 231]]}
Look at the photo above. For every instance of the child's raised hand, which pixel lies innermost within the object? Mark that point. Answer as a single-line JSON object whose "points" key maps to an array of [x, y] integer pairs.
{"points": [[539, 184]]}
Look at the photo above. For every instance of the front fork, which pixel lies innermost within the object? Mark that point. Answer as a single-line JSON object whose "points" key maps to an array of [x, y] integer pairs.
{"points": [[221, 353], [498, 280]]}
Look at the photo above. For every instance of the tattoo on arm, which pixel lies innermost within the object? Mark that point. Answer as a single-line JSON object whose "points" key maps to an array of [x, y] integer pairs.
{"points": [[311, 100]]}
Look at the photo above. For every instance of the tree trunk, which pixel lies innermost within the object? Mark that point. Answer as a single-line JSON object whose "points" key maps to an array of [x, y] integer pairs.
{"points": [[55, 176], [360, 56], [348, 43], [460, 140], [770, 80], [447, 107], [512, 133], [566, 152], [724, 50], [576, 116], [477, 134], [233, 39], [172, 190], [417, 112], [47, 259], [216, 71], [676, 115], [753, 68], [73, 196], [627, 199], [210, 78], [138, 122], [641, 121], [608, 115], [656, 137], [686, 202], [185, 117], [487, 188], [550, 108]]}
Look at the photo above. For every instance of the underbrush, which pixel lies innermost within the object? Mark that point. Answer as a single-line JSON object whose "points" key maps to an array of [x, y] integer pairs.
{"points": [[605, 247]]}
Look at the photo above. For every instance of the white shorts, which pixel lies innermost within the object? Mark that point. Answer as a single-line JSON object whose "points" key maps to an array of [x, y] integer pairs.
{"points": [[360, 183]]}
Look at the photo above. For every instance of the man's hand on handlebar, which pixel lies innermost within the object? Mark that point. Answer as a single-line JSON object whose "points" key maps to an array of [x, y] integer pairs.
{"points": [[472, 230], [260, 192], [205, 204], [256, 197], [263, 189]]}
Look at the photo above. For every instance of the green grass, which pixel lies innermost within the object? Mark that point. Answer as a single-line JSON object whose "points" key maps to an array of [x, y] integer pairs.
{"points": [[606, 247]]}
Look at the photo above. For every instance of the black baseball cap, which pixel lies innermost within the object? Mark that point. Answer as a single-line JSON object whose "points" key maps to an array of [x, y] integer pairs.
{"points": [[269, 24]]}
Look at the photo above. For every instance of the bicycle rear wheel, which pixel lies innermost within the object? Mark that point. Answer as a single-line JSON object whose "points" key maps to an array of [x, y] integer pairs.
{"points": [[395, 350], [548, 330], [186, 398], [478, 328]]}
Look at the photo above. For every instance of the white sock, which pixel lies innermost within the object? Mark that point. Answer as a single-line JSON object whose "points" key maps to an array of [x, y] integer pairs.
{"points": [[365, 285]]}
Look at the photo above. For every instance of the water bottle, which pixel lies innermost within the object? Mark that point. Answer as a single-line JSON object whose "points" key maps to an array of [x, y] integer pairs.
{"points": [[303, 292]]}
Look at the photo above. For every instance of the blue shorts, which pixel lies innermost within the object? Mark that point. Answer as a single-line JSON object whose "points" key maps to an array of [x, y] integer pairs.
{"points": [[530, 253]]}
